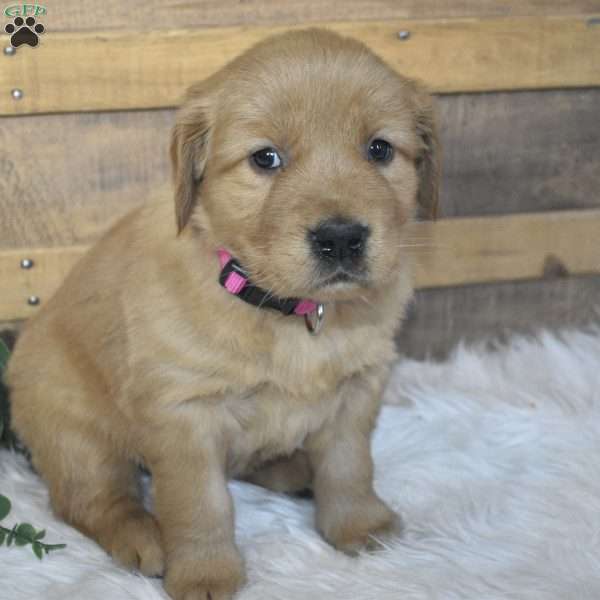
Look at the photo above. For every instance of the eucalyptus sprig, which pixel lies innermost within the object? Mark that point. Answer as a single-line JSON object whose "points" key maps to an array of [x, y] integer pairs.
{"points": [[22, 534]]}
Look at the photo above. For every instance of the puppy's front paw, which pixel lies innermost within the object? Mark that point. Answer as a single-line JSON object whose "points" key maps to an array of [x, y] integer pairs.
{"points": [[136, 543], [352, 525], [217, 577]]}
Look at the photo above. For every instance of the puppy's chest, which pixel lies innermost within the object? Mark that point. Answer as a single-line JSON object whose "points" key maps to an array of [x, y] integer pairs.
{"points": [[297, 392], [316, 365], [298, 395], [270, 423], [270, 398]]}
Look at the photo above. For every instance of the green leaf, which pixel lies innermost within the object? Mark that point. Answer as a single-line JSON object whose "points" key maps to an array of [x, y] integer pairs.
{"points": [[4, 354], [40, 535], [4, 506], [37, 550], [25, 533], [49, 547]]}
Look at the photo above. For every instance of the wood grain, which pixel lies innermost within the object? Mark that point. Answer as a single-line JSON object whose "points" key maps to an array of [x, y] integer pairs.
{"points": [[439, 319], [82, 15], [17, 285], [67, 178], [479, 249], [151, 69], [457, 251], [519, 152]]}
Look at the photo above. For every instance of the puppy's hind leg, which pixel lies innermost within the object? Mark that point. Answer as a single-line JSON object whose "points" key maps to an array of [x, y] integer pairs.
{"points": [[71, 429], [96, 490], [289, 475]]}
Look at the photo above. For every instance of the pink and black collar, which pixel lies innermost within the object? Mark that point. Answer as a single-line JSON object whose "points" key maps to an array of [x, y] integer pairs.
{"points": [[236, 281]]}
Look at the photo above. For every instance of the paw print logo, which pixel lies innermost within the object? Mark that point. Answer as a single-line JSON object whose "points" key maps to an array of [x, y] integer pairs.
{"points": [[24, 32]]}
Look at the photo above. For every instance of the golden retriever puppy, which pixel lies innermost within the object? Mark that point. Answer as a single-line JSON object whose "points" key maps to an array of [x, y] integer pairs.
{"points": [[245, 331]]}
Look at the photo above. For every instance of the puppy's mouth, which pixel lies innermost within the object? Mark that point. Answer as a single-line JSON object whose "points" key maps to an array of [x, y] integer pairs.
{"points": [[342, 278]]}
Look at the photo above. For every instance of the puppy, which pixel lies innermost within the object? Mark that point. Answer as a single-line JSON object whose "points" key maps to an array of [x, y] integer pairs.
{"points": [[248, 330]]}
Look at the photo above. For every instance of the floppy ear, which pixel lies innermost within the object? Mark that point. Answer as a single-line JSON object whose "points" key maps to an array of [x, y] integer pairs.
{"points": [[428, 160], [189, 150]]}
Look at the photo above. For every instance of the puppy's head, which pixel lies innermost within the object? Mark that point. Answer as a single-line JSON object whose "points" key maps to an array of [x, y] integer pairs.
{"points": [[304, 158]]}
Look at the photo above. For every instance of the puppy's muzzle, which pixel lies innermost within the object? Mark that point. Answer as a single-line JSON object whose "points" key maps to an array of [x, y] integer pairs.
{"points": [[340, 245]]}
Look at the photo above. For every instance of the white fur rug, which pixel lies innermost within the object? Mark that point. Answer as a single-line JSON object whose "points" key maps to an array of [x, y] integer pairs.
{"points": [[493, 459]]}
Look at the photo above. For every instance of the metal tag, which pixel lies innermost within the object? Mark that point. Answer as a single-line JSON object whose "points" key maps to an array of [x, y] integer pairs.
{"points": [[314, 320]]}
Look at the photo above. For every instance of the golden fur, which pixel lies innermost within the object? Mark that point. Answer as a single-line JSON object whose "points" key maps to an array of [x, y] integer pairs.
{"points": [[141, 356]]}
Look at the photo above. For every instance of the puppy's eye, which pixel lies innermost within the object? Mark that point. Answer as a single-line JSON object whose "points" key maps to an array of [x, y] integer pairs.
{"points": [[266, 158], [380, 151]]}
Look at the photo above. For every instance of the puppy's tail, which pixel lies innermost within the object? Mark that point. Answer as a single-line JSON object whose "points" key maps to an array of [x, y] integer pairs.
{"points": [[8, 439]]}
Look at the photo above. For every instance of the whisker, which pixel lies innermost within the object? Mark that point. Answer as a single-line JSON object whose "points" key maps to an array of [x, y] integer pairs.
{"points": [[366, 301]]}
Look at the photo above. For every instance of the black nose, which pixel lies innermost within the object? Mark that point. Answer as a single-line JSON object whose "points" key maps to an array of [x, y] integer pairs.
{"points": [[339, 241]]}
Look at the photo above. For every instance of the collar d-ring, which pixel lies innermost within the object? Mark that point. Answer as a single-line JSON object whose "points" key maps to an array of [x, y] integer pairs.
{"points": [[314, 319]]}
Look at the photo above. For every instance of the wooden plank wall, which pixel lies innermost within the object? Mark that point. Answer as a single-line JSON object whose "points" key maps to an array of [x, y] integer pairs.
{"points": [[439, 318], [86, 15], [505, 153], [140, 69]]}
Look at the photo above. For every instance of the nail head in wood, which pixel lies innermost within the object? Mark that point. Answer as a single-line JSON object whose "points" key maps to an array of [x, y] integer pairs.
{"points": [[10, 50], [17, 94], [33, 300], [27, 263], [404, 35]]}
